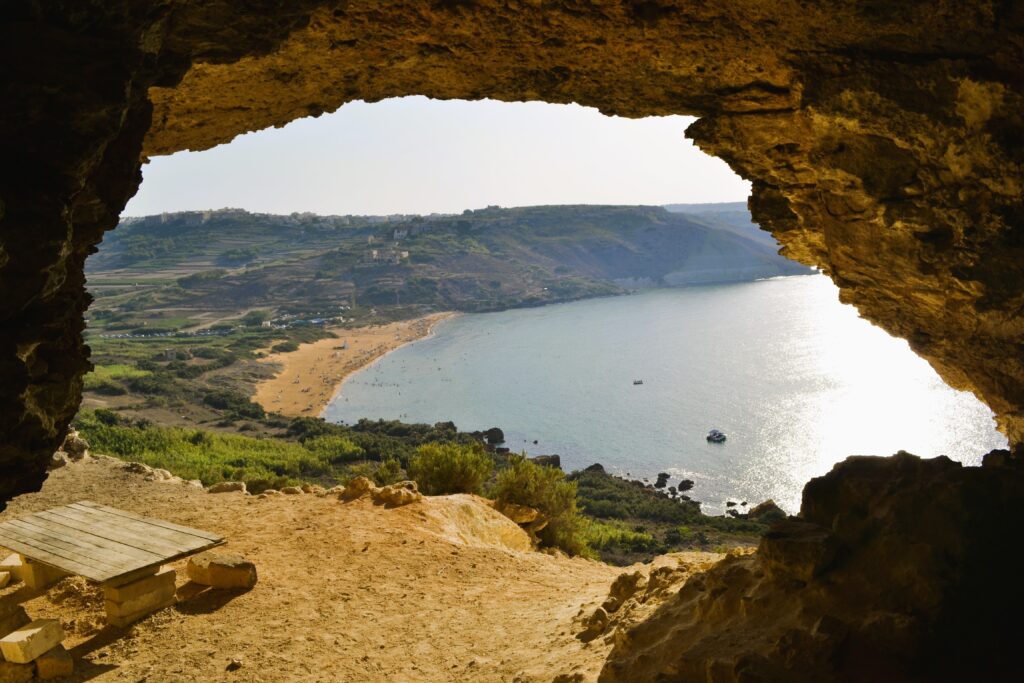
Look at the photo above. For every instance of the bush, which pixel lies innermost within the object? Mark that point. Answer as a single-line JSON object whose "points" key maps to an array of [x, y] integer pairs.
{"points": [[238, 404], [389, 472], [441, 468], [334, 449], [547, 490], [285, 347]]}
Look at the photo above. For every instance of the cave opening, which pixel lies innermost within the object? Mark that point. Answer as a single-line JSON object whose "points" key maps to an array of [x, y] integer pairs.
{"points": [[882, 143]]}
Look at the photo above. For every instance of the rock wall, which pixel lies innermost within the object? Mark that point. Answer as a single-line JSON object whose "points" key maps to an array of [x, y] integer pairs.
{"points": [[892, 573]]}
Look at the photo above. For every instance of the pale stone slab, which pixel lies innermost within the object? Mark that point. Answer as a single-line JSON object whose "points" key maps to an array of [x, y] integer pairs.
{"points": [[12, 564], [153, 600], [122, 621], [55, 663], [28, 642], [39, 576], [5, 578], [136, 589]]}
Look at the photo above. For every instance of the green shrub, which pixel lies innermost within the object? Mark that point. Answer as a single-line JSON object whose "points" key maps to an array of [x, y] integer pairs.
{"points": [[545, 489], [285, 347], [334, 449], [388, 472], [615, 538], [441, 468]]}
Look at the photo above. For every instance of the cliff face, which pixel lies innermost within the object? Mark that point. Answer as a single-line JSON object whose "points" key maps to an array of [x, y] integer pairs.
{"points": [[883, 139]]}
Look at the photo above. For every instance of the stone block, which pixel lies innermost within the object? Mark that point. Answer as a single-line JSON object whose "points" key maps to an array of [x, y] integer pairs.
{"points": [[55, 663], [5, 578], [122, 620], [131, 577], [38, 576], [12, 621], [16, 673], [154, 599], [222, 570], [27, 643], [160, 581], [13, 565]]}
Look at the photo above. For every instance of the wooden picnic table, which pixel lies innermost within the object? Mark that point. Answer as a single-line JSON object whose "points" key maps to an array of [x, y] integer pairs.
{"points": [[101, 543]]}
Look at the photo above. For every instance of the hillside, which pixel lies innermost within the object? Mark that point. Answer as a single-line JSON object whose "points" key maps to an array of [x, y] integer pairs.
{"points": [[188, 267]]}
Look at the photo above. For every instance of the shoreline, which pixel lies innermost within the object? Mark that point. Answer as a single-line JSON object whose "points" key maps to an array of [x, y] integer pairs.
{"points": [[310, 377]]}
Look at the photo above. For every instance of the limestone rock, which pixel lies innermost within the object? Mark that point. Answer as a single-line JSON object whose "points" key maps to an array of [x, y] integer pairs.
{"points": [[75, 446], [58, 460], [27, 643], [5, 578], [862, 581], [221, 570], [137, 468], [766, 513], [12, 617], [227, 487], [396, 495], [314, 489], [358, 487], [292, 491], [520, 514]]}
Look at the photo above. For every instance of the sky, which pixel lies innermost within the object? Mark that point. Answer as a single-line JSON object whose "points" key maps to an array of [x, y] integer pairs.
{"points": [[416, 155]]}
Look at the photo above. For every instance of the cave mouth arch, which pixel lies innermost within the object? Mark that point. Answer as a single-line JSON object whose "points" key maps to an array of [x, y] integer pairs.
{"points": [[881, 146], [882, 140]]}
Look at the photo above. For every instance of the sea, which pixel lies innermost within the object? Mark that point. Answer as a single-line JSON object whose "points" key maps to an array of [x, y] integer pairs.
{"points": [[795, 379]]}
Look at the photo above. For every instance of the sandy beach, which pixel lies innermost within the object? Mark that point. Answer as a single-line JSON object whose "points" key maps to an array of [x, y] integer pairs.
{"points": [[310, 376]]}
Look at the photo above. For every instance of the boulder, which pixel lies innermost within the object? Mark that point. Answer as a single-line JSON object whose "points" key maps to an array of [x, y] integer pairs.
{"points": [[767, 513], [596, 467], [684, 485], [227, 487], [137, 468], [194, 483], [358, 487], [292, 491], [75, 446], [520, 514], [547, 461], [221, 570], [58, 460], [13, 619], [494, 436], [396, 495], [5, 578], [333, 491], [662, 480], [313, 489]]}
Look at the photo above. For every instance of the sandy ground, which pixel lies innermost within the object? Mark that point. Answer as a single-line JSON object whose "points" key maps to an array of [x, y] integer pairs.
{"points": [[310, 376], [433, 591]]}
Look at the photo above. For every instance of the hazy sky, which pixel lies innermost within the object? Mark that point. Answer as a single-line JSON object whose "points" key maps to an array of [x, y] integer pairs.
{"points": [[415, 155]]}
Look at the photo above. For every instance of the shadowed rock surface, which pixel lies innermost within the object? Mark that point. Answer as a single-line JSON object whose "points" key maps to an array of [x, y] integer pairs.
{"points": [[891, 572]]}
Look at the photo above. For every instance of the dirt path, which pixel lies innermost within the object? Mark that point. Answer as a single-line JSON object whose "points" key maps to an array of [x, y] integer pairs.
{"points": [[310, 376], [346, 592]]}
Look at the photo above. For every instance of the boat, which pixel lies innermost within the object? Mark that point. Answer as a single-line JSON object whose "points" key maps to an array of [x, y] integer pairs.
{"points": [[637, 381], [716, 436]]}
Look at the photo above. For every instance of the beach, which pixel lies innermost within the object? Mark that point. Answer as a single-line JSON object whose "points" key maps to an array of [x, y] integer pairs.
{"points": [[310, 376]]}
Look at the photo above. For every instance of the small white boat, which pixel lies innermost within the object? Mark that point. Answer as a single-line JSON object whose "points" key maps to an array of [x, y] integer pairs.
{"points": [[716, 436]]}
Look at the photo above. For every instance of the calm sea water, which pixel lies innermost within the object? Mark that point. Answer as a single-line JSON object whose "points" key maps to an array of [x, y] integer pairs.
{"points": [[795, 379]]}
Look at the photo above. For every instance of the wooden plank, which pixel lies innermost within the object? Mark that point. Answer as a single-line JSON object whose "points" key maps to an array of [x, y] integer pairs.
{"points": [[75, 520], [112, 555], [174, 540], [65, 548], [32, 551], [87, 540], [151, 520]]}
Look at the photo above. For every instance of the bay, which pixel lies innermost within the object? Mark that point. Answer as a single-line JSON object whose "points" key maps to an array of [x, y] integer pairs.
{"points": [[794, 378]]}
